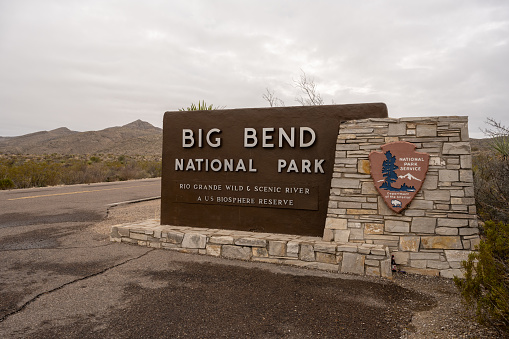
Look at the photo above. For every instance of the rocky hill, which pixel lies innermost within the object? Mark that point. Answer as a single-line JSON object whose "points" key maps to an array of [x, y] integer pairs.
{"points": [[137, 138], [480, 146]]}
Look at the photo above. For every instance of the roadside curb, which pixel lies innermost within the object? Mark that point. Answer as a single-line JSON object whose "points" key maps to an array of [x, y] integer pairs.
{"points": [[132, 201]]}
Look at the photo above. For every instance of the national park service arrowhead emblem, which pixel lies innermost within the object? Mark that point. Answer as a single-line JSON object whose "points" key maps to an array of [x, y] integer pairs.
{"points": [[398, 173]]}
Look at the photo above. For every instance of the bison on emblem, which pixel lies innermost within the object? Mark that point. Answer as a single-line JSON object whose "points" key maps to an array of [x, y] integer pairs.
{"points": [[396, 203]]}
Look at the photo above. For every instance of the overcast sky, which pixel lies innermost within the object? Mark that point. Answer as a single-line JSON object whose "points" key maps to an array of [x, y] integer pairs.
{"points": [[92, 64]]}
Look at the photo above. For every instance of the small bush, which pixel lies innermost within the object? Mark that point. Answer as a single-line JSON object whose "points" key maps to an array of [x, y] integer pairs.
{"points": [[202, 106], [485, 285], [491, 183], [491, 174], [6, 184]]}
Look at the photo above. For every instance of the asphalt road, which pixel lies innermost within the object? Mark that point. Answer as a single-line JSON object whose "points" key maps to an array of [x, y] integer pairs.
{"points": [[61, 279], [74, 203]]}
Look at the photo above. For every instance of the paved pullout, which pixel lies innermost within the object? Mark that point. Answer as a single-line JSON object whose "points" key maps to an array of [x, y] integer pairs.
{"points": [[133, 292], [63, 278]]}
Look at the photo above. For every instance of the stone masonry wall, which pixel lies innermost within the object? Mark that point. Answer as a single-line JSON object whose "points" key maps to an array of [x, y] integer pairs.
{"points": [[439, 228], [282, 249]]}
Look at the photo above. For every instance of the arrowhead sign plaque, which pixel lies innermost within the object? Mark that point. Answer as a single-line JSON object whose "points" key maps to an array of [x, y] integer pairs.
{"points": [[398, 173]]}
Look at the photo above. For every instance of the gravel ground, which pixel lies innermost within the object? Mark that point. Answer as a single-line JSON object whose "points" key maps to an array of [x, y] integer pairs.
{"points": [[446, 318], [127, 213]]}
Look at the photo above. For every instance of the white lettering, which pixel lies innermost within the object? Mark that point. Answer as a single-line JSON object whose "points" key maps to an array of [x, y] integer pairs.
{"points": [[218, 166], [228, 165], [190, 166], [275, 202], [250, 134], [198, 163], [200, 138], [313, 137], [266, 137], [292, 167], [179, 164], [318, 165], [281, 163], [240, 166], [306, 166], [290, 140], [411, 159], [251, 168], [187, 138], [299, 190], [218, 140], [236, 188], [267, 189], [306, 133]]}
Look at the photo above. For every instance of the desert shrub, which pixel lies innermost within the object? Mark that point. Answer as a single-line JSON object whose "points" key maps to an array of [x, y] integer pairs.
{"points": [[6, 183], [130, 170], [95, 159], [491, 175], [26, 171], [485, 285], [152, 168], [202, 106], [491, 183]]}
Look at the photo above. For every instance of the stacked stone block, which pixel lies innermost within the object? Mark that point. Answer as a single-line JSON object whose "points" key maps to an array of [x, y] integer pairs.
{"points": [[439, 227], [301, 251]]}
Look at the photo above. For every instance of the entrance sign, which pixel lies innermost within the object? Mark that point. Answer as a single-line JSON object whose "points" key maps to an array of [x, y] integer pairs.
{"points": [[257, 169], [398, 173]]}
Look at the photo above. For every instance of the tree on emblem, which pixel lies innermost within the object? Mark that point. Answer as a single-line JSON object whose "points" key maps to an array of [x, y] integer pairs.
{"points": [[389, 168]]}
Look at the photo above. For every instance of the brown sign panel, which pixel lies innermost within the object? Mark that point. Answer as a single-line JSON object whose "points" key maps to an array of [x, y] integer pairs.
{"points": [[398, 173], [257, 169]]}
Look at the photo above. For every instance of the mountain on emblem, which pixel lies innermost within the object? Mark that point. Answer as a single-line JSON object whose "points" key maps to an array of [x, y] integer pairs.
{"points": [[408, 176], [398, 173]]}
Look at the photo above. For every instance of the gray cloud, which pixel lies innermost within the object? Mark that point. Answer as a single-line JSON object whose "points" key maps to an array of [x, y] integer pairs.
{"points": [[90, 65]]}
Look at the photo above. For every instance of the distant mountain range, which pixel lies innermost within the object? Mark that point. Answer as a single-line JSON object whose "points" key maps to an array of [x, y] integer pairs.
{"points": [[137, 138]]}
